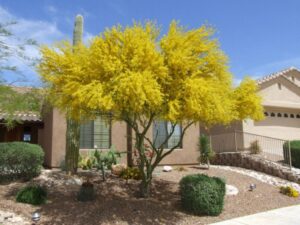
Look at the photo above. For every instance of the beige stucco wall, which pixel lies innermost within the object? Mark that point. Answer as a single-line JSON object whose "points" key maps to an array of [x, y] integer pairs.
{"points": [[189, 153], [288, 95]]}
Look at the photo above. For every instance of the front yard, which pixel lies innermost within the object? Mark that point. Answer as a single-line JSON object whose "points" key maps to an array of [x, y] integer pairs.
{"points": [[116, 201]]}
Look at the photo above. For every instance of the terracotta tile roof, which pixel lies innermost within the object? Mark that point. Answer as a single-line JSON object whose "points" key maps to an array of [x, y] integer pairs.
{"points": [[275, 75], [24, 116]]}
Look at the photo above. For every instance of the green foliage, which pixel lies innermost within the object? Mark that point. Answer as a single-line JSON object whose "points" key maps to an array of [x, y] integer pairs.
{"points": [[104, 160], [34, 195], [131, 173], [13, 101], [206, 153], [20, 160], [87, 162], [86, 192], [295, 152], [255, 147], [202, 195], [289, 191]]}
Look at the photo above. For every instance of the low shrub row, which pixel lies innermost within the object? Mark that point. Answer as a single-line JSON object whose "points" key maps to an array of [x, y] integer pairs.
{"points": [[20, 160]]}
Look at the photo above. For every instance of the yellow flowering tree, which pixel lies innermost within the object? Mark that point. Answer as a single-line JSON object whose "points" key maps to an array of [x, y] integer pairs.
{"points": [[140, 76]]}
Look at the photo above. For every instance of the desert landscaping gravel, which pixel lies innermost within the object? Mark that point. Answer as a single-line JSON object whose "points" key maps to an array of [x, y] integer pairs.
{"points": [[117, 201]]}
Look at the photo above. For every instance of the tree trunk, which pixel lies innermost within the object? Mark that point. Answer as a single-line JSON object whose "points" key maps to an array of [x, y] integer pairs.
{"points": [[145, 188], [129, 146], [72, 146]]}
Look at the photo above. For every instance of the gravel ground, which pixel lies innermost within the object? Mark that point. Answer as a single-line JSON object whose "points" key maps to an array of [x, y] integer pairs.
{"points": [[117, 203]]}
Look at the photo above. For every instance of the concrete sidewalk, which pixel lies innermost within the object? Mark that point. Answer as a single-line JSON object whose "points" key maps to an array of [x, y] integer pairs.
{"points": [[283, 216]]}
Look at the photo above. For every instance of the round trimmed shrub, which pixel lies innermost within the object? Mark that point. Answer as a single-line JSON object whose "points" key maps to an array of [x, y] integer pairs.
{"points": [[20, 160], [34, 195], [295, 153], [202, 195]]}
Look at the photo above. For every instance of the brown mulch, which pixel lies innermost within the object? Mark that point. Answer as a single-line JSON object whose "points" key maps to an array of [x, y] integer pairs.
{"points": [[117, 202]]}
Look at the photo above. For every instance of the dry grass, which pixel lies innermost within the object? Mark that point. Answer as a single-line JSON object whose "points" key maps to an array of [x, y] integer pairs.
{"points": [[117, 202]]}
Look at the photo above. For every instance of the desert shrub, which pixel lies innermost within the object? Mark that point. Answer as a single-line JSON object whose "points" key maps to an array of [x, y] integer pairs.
{"points": [[289, 191], [295, 152], [202, 195], [131, 173], [20, 160], [206, 153], [34, 195], [86, 162], [255, 147], [86, 192], [181, 169], [105, 160]]}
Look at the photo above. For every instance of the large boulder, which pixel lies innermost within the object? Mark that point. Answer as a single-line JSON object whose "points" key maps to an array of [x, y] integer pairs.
{"points": [[118, 169]]}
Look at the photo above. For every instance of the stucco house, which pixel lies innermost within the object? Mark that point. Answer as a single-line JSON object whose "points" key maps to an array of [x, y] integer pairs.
{"points": [[281, 99], [280, 94], [49, 131]]}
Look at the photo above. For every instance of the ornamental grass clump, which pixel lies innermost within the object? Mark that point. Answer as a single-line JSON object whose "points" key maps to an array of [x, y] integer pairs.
{"points": [[34, 195], [202, 195]]}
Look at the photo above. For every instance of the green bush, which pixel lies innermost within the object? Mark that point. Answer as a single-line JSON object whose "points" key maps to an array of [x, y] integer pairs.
{"points": [[20, 160], [295, 153], [206, 152], [202, 195], [34, 195], [86, 192]]}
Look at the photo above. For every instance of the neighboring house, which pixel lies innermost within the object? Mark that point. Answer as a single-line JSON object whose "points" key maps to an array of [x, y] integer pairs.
{"points": [[50, 132], [281, 100]]}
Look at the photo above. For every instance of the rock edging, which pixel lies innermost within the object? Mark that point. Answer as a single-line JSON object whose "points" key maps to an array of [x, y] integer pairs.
{"points": [[247, 161]]}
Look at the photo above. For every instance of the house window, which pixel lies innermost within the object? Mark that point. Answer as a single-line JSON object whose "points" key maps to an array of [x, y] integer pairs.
{"points": [[286, 115], [161, 129], [96, 133], [266, 114], [298, 116], [272, 114], [292, 116], [278, 114]]}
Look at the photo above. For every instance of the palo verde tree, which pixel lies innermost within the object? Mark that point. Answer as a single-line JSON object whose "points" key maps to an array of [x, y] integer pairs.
{"points": [[12, 101], [140, 77]]}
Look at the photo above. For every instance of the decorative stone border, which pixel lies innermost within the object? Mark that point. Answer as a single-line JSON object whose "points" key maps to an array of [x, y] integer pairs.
{"points": [[247, 161]]}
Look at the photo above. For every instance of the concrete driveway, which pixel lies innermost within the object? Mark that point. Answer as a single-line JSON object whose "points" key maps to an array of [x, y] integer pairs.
{"points": [[283, 216]]}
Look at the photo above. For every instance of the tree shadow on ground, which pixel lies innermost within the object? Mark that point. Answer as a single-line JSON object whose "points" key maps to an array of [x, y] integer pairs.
{"points": [[116, 203]]}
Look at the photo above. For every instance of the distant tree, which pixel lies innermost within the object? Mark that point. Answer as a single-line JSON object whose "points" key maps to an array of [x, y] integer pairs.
{"points": [[12, 101], [141, 78]]}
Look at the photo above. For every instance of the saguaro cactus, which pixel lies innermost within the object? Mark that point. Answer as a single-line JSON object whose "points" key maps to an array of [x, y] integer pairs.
{"points": [[73, 127]]}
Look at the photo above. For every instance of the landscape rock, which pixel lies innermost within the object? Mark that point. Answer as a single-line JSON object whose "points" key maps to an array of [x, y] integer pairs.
{"points": [[118, 169], [231, 190], [167, 168]]}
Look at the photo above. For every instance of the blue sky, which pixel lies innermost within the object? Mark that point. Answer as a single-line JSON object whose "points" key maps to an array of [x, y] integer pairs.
{"points": [[259, 36]]}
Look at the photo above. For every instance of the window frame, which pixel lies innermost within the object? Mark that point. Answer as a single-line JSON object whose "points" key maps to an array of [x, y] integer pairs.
{"points": [[93, 134], [166, 146]]}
